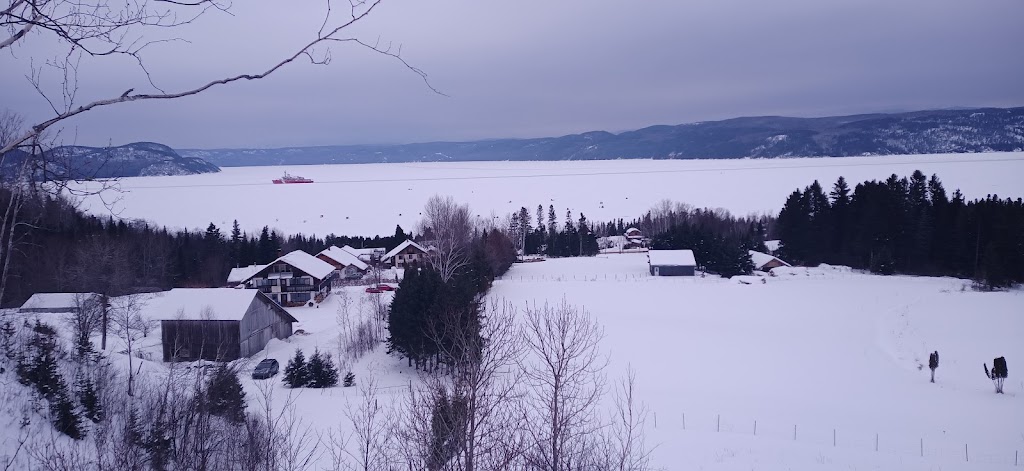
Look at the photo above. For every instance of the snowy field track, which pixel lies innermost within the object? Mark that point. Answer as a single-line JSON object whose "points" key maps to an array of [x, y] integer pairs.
{"points": [[831, 352], [371, 199]]}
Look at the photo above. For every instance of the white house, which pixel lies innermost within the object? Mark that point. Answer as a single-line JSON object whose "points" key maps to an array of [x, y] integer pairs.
{"points": [[348, 265], [407, 253], [294, 279]]}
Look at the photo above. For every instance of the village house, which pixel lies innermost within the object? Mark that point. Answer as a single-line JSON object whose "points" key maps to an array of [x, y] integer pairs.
{"points": [[294, 279], [367, 255], [61, 303], [216, 324], [634, 239], [765, 262], [672, 262], [238, 275], [348, 265], [407, 253]]}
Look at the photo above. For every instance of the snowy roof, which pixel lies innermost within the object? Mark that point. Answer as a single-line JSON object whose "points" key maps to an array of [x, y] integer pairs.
{"points": [[56, 300], [313, 266], [632, 229], [402, 246], [761, 259], [366, 251], [772, 245], [672, 258], [241, 274], [225, 304], [343, 257]]}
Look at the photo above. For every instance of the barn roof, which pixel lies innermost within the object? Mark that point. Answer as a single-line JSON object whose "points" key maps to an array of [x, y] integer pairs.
{"points": [[761, 259], [56, 300], [241, 274], [343, 257], [677, 258], [402, 246], [224, 304]]}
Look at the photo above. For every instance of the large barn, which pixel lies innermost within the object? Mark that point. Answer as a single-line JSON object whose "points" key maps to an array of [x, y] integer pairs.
{"points": [[672, 262], [217, 324], [61, 302]]}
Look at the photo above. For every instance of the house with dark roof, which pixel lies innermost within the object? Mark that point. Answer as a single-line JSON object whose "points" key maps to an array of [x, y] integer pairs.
{"points": [[407, 253]]}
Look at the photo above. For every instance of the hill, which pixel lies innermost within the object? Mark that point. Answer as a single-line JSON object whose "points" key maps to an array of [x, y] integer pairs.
{"points": [[920, 132], [138, 159]]}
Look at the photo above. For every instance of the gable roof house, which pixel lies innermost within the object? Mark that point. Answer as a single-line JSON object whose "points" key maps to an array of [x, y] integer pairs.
{"points": [[367, 255], [294, 279], [672, 262], [240, 274], [348, 265], [60, 302], [765, 262], [407, 253], [216, 324]]}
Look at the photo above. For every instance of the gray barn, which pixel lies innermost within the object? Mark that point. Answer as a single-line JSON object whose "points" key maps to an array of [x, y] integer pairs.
{"points": [[217, 324], [672, 262]]}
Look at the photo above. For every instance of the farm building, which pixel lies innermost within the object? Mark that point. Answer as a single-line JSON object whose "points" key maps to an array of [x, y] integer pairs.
{"points": [[672, 262], [765, 262], [61, 302], [217, 324], [348, 265], [405, 254], [294, 279], [240, 274]]}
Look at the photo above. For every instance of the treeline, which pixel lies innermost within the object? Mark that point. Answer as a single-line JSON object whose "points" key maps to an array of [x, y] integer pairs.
{"points": [[430, 317], [906, 225], [57, 248], [572, 238]]}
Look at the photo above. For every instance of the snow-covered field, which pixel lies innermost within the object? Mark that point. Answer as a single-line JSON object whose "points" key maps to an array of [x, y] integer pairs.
{"points": [[371, 199]]}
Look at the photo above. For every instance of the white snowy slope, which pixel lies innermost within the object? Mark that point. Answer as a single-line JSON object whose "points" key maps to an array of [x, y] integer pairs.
{"points": [[371, 199]]}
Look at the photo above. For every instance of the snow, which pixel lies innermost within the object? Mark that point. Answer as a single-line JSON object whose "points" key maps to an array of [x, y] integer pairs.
{"points": [[672, 258], [67, 301], [761, 259], [772, 245], [200, 304], [627, 189], [343, 257], [309, 264], [402, 247], [239, 275]]}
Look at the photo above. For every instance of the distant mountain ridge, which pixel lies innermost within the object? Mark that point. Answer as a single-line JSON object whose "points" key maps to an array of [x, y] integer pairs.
{"points": [[919, 132], [138, 159]]}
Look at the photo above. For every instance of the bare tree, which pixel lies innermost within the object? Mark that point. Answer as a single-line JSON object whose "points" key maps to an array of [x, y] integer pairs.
{"points": [[564, 372], [452, 227], [126, 317], [107, 31], [624, 446], [368, 446], [85, 320]]}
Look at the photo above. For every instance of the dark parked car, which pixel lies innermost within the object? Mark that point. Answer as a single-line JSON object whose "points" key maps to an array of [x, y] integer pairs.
{"points": [[266, 369]]}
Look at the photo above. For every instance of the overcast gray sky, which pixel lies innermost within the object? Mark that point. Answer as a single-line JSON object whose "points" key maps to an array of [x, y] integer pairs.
{"points": [[532, 68]]}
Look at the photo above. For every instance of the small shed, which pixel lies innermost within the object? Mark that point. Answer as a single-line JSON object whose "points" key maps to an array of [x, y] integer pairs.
{"points": [[765, 262], [60, 302], [217, 324], [672, 262]]}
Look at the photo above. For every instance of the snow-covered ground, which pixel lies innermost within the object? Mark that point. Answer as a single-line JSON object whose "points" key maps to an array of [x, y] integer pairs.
{"points": [[371, 199]]}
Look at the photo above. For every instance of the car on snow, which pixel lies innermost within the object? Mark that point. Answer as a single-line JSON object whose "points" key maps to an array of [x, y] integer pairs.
{"points": [[373, 289], [384, 287], [266, 369]]}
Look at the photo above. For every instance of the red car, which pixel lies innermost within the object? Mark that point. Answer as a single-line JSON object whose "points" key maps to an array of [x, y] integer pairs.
{"points": [[373, 289], [384, 287]]}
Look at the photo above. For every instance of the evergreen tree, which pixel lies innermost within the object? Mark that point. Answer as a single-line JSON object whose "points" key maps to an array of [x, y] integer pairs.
{"points": [[63, 414], [296, 374], [89, 399], [265, 252], [350, 379], [224, 395], [235, 245], [321, 371]]}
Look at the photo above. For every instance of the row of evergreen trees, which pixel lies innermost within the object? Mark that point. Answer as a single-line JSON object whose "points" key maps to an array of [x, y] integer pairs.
{"points": [[905, 225], [570, 239], [430, 320], [61, 249]]}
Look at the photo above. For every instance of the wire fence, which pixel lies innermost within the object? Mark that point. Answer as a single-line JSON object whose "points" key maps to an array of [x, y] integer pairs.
{"points": [[927, 446], [561, 278]]}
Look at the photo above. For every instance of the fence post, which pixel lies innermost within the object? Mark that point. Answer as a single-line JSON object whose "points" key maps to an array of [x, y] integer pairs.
{"points": [[794, 432], [833, 438], [655, 420], [966, 456], [719, 427], [684, 420], [922, 448], [876, 442], [755, 427], [1015, 452]]}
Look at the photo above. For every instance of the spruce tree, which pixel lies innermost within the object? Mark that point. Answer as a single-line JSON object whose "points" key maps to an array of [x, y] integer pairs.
{"points": [[63, 414], [92, 409], [295, 373], [321, 371], [224, 395], [350, 380]]}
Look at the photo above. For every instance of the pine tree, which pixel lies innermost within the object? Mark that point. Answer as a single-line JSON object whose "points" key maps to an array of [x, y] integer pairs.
{"points": [[224, 395], [350, 380], [63, 414], [235, 246], [296, 374], [321, 371], [89, 399]]}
